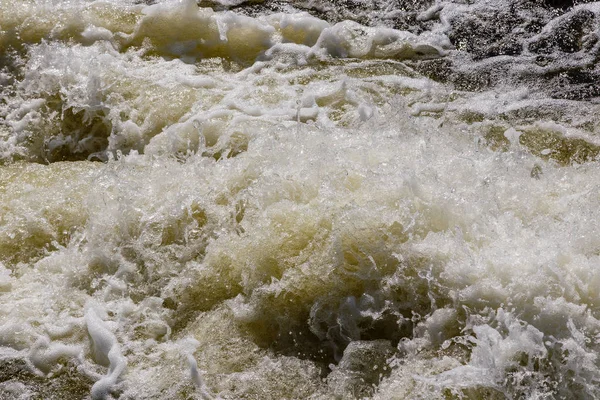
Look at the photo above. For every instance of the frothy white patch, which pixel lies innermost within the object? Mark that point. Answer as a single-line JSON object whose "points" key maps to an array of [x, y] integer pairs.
{"points": [[107, 352]]}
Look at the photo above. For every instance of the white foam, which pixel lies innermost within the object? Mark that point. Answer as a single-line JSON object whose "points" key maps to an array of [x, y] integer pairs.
{"points": [[107, 352], [45, 354], [274, 211], [188, 346], [5, 279]]}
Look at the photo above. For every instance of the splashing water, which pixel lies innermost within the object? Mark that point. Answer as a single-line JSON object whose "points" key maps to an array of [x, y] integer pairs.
{"points": [[269, 200]]}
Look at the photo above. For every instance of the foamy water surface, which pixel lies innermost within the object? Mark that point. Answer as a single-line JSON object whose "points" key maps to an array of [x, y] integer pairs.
{"points": [[288, 200]]}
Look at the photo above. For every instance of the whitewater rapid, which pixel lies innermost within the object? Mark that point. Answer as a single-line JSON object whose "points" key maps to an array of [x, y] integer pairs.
{"points": [[292, 200]]}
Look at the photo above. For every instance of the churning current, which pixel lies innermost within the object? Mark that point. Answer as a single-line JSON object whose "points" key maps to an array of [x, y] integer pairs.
{"points": [[359, 199]]}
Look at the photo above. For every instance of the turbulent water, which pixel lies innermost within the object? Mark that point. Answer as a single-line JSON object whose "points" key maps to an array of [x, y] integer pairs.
{"points": [[338, 199]]}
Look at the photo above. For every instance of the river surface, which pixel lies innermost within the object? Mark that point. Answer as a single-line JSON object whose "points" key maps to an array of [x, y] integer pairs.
{"points": [[338, 199]]}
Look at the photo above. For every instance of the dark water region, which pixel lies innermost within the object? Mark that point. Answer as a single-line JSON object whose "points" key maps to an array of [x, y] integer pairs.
{"points": [[549, 46]]}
